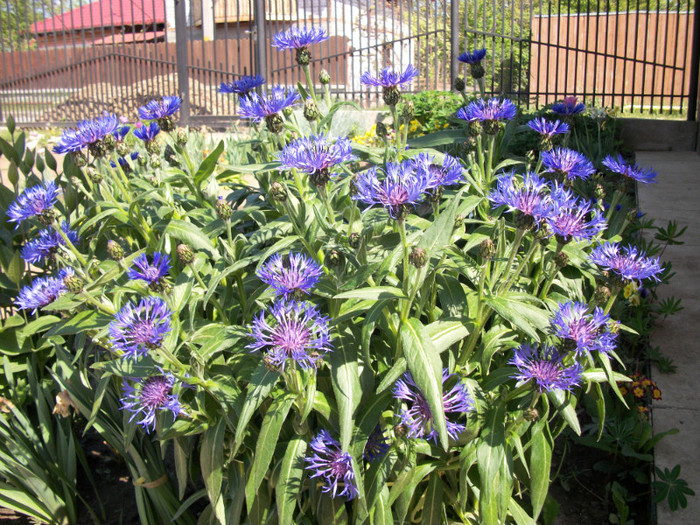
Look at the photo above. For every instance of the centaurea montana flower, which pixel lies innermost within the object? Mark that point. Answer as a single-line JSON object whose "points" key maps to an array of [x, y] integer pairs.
{"points": [[124, 163], [35, 201], [329, 462], [121, 133], [617, 164], [153, 273], [490, 113], [292, 277], [437, 175], [581, 331], [628, 263], [299, 39], [418, 418], [316, 156], [474, 59], [243, 86], [399, 188], [376, 446], [569, 107], [148, 396], [292, 330], [43, 291], [530, 199], [162, 111], [567, 164], [576, 220], [138, 328], [545, 366], [46, 244], [148, 132], [390, 81], [547, 128], [268, 107], [97, 135]]}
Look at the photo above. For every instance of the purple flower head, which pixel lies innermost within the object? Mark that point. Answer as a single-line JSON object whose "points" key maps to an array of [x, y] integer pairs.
{"points": [[472, 57], [152, 273], [626, 262], [399, 188], [547, 128], [296, 38], [46, 244], [617, 164], [43, 291], [545, 366], [328, 461], [292, 330], [531, 197], [419, 419], [243, 86], [376, 446], [568, 107], [491, 110], [123, 162], [136, 329], [88, 133], [567, 164], [160, 109], [388, 78], [121, 133], [148, 396], [71, 141], [148, 132], [576, 220], [446, 174], [296, 275], [35, 201], [316, 156], [259, 107], [583, 332]]}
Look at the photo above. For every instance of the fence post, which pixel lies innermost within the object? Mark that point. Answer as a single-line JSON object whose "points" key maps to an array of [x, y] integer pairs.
{"points": [[183, 80], [694, 69], [454, 41], [260, 39]]}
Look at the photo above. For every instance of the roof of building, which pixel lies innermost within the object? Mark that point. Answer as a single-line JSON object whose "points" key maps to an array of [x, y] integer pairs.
{"points": [[105, 13]]}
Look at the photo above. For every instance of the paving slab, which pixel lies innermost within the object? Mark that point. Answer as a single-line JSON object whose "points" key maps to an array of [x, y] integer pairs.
{"points": [[676, 196]]}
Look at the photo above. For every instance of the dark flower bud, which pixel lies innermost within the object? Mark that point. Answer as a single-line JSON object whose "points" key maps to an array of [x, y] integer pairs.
{"points": [[170, 156], [602, 294], [561, 260], [223, 209], [487, 249], [115, 251], [334, 258], [311, 112], [408, 110], [324, 78], [94, 175], [523, 221], [97, 149], [274, 123], [181, 137], [154, 161], [109, 142], [319, 178], [303, 56], [122, 149], [277, 192], [153, 147], [288, 111], [531, 414], [459, 84], [631, 215], [167, 123], [47, 216], [185, 254], [546, 143], [142, 160], [400, 430], [492, 127], [392, 95], [477, 70], [382, 131], [459, 222], [354, 240], [74, 283], [78, 158], [418, 257]]}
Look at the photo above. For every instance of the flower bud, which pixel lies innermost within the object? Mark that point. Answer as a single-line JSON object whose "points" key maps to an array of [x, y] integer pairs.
{"points": [[418, 257], [167, 123], [354, 240], [392, 95], [74, 283], [278, 192], [223, 209], [492, 127], [153, 147], [475, 128], [334, 258], [382, 131], [459, 222], [561, 260], [459, 84], [599, 192], [122, 149], [531, 414], [78, 158], [602, 294], [94, 175], [477, 70], [142, 160], [311, 112], [181, 136], [154, 161], [274, 122], [487, 249], [185, 254], [115, 250], [408, 110], [109, 142], [324, 78]]}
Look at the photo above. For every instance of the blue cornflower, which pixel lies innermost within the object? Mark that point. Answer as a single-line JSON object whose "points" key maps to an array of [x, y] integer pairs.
{"points": [[159, 109], [438, 175], [419, 419], [316, 156], [531, 198], [268, 107], [569, 107], [490, 113], [243, 86], [400, 188], [567, 164], [576, 220], [123, 162], [545, 366], [35, 201], [149, 396], [472, 57], [93, 134], [547, 128], [328, 461], [583, 332], [71, 141], [153, 273], [147, 132], [376, 446], [121, 133], [43, 291], [297, 277], [45, 245], [295, 330], [298, 38], [390, 81], [136, 329], [627, 262], [617, 164]]}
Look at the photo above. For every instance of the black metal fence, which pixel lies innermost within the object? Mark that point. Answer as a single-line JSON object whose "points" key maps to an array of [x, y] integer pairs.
{"points": [[63, 61]]}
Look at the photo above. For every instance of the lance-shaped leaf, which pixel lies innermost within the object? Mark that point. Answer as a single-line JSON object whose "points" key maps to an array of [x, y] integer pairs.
{"points": [[289, 482]]}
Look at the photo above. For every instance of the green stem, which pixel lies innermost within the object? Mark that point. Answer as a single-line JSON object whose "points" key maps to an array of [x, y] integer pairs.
{"points": [[100, 306], [401, 224], [69, 244], [521, 266], [552, 272], [519, 233], [323, 192], [213, 299], [309, 83], [616, 198]]}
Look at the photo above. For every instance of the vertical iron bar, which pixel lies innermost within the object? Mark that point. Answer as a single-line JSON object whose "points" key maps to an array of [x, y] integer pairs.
{"points": [[454, 40], [260, 38], [694, 69], [181, 60]]}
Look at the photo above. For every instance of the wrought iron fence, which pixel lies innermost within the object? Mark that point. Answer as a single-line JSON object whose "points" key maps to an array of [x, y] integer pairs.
{"points": [[63, 60]]}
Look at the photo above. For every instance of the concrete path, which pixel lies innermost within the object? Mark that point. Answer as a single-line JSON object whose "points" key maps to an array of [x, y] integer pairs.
{"points": [[677, 197]]}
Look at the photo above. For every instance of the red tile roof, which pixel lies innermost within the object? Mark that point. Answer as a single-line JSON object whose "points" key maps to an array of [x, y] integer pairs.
{"points": [[105, 13]]}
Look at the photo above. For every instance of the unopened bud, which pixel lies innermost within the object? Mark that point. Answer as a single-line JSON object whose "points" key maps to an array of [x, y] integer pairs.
{"points": [[166, 123], [324, 78], [142, 160], [531, 414], [154, 161], [223, 209], [109, 142], [278, 192], [153, 147], [459, 222], [181, 136], [602, 294], [94, 175], [487, 249], [185, 254], [459, 84], [311, 112], [382, 131], [475, 128], [599, 192], [354, 240], [418, 257], [408, 110], [122, 149], [561, 260], [78, 158], [274, 122], [631, 215], [115, 250], [400, 430], [334, 257], [74, 283]]}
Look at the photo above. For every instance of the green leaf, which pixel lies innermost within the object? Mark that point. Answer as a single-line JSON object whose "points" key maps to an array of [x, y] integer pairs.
{"points": [[15, 270], [39, 325], [522, 316], [80, 322], [192, 235], [10, 123], [260, 386], [345, 377], [206, 168], [289, 482], [519, 515], [426, 368], [181, 453], [9, 152], [50, 160], [211, 462], [565, 408], [432, 507], [445, 333], [373, 293], [439, 138], [540, 465], [490, 453], [266, 443]]}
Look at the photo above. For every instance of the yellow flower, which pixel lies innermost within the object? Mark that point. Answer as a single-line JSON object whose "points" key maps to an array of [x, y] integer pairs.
{"points": [[630, 289]]}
